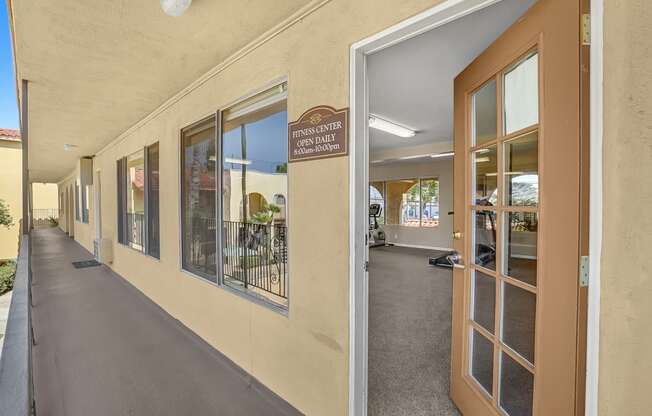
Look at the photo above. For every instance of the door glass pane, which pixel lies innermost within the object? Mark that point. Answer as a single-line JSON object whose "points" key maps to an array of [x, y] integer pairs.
{"points": [[482, 360], [484, 113], [136, 200], [521, 95], [484, 242], [484, 300], [198, 188], [521, 171], [519, 310], [520, 253], [485, 167], [516, 387]]}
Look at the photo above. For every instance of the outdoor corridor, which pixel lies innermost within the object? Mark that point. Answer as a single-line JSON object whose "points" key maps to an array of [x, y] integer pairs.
{"points": [[103, 348]]}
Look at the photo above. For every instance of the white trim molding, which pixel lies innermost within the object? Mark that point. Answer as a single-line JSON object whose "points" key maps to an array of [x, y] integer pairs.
{"points": [[595, 207]]}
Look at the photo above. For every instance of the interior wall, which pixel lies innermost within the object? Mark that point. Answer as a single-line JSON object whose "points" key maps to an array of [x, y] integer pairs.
{"points": [[626, 276], [439, 237]]}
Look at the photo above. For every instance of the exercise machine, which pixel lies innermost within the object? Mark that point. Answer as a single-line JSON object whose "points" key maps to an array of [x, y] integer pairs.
{"points": [[376, 235]]}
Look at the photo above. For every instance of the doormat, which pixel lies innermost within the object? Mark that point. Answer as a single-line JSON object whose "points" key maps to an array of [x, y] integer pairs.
{"points": [[86, 263]]}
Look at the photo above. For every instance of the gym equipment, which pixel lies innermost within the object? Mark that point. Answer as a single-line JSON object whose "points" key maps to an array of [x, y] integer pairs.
{"points": [[376, 235], [484, 253]]}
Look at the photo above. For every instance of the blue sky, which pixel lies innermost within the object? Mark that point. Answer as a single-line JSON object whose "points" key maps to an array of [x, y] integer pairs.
{"points": [[8, 108]]}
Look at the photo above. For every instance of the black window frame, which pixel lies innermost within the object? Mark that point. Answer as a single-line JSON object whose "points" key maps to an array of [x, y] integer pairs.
{"points": [[122, 179]]}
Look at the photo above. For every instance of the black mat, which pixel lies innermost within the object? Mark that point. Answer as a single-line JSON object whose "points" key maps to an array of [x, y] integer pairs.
{"points": [[86, 263]]}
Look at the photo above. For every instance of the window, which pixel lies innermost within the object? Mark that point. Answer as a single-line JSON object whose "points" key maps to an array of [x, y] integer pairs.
{"points": [[198, 199], [254, 195], [77, 217], [152, 201], [138, 219], [412, 202], [377, 196], [136, 200], [85, 197]]}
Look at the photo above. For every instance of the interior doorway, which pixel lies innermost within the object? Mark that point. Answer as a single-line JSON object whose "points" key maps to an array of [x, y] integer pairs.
{"points": [[453, 117]]}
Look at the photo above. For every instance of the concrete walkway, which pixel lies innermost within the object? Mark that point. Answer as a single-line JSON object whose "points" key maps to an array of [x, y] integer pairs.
{"points": [[103, 348]]}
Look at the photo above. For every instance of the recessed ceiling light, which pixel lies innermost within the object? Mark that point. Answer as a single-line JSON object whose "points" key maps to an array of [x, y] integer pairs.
{"points": [[175, 8], [387, 126]]}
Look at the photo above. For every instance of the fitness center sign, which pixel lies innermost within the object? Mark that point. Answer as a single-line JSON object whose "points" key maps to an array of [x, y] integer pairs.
{"points": [[319, 133]]}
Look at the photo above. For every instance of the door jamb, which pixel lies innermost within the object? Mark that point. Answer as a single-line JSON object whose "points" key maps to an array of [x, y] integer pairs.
{"points": [[439, 15]]}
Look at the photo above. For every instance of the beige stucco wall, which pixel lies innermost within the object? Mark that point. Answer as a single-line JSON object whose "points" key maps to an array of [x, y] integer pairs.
{"points": [[626, 290], [11, 163], [303, 356], [44, 196]]}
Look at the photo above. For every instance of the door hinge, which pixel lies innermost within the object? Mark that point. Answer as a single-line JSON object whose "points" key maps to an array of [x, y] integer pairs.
{"points": [[366, 266], [584, 271], [586, 29]]}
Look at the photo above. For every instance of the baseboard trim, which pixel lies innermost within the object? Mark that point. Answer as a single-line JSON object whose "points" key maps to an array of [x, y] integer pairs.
{"points": [[419, 246]]}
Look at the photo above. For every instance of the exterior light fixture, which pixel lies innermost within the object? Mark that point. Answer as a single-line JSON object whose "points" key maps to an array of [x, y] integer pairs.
{"points": [[390, 127], [175, 8], [445, 154]]}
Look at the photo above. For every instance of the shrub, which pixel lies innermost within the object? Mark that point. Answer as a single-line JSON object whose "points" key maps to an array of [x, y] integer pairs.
{"points": [[7, 274]]}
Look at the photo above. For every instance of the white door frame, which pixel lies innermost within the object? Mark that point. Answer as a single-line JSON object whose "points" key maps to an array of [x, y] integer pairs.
{"points": [[439, 15], [97, 204]]}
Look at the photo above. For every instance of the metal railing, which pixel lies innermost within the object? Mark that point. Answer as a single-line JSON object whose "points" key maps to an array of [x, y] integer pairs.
{"points": [[44, 216], [136, 230], [16, 383], [255, 255]]}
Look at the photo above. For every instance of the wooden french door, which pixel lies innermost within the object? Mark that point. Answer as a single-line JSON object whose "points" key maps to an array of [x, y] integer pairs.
{"points": [[517, 204]]}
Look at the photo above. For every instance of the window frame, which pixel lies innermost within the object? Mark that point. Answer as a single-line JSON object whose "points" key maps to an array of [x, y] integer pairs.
{"points": [[122, 179], [419, 180], [216, 116]]}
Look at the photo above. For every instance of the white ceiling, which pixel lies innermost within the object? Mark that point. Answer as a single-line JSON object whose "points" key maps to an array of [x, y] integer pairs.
{"points": [[97, 67], [411, 83]]}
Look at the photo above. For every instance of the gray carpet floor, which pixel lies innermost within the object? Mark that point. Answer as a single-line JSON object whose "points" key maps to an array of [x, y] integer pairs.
{"points": [[409, 334]]}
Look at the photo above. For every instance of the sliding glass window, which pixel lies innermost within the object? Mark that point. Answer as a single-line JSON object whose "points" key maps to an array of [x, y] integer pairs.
{"points": [[136, 200], [198, 199], [255, 195]]}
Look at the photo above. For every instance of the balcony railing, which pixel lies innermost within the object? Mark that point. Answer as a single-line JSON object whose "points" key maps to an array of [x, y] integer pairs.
{"points": [[44, 216], [136, 230], [255, 257]]}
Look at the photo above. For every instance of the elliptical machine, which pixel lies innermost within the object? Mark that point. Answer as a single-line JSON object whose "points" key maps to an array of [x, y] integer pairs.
{"points": [[376, 235]]}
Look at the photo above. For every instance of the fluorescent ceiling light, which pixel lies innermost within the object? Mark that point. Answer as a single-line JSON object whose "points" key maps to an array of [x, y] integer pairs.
{"points": [[69, 146], [237, 161], [390, 127], [445, 154]]}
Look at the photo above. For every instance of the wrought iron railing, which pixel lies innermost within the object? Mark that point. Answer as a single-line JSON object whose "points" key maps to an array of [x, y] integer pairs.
{"points": [[256, 256], [136, 230], [44, 216]]}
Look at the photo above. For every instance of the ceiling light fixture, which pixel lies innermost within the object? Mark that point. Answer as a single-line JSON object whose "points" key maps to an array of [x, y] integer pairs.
{"points": [[376, 122], [69, 146], [445, 154], [175, 8]]}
